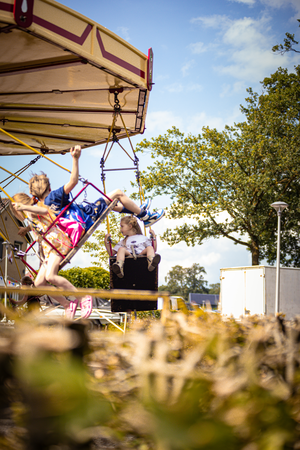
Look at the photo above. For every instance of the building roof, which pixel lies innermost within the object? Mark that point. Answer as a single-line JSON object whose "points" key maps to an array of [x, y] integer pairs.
{"points": [[4, 202], [202, 298]]}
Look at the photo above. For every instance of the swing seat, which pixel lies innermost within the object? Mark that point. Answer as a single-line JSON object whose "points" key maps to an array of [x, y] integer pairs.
{"points": [[136, 277], [89, 232]]}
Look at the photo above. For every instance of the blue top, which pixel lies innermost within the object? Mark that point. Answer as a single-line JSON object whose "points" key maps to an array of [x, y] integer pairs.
{"points": [[57, 200]]}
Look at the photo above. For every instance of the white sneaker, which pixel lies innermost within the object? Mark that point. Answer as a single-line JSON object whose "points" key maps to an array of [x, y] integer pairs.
{"points": [[154, 217], [146, 205]]}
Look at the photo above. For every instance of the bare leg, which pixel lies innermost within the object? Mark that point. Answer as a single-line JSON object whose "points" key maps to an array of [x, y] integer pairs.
{"points": [[122, 252], [126, 202], [86, 303], [149, 251], [52, 277], [41, 281]]}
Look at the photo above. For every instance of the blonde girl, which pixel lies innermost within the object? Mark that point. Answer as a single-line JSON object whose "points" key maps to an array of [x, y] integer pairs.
{"points": [[41, 218], [134, 243]]}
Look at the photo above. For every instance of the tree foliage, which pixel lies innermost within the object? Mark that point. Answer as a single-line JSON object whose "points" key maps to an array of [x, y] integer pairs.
{"points": [[88, 277], [214, 288], [95, 246], [181, 281], [225, 181], [287, 45]]}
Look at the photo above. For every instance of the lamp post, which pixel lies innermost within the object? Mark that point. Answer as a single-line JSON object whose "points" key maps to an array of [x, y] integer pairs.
{"points": [[279, 206], [5, 278]]}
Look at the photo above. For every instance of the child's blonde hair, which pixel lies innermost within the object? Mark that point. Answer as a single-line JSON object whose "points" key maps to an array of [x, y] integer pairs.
{"points": [[23, 198], [38, 185], [20, 198], [131, 220]]}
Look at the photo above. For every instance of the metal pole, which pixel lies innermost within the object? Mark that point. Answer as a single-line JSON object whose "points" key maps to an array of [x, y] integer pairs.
{"points": [[5, 278], [277, 294], [279, 207]]}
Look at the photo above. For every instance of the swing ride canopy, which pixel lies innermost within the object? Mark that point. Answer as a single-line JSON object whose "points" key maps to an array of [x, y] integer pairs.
{"points": [[60, 73]]}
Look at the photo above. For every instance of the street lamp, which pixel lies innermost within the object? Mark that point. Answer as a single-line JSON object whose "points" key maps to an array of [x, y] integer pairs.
{"points": [[6, 244], [279, 206]]}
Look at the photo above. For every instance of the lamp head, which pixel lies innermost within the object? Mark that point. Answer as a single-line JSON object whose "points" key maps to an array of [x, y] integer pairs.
{"points": [[279, 206]]}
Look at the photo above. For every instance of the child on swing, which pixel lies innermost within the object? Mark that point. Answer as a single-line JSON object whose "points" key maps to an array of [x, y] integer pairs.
{"points": [[134, 243], [78, 218], [48, 272]]}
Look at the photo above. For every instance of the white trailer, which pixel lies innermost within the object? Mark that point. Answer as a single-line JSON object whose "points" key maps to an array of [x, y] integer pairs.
{"points": [[251, 290]]}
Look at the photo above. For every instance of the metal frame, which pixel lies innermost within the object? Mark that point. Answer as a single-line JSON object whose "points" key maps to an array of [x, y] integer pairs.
{"points": [[111, 294]]}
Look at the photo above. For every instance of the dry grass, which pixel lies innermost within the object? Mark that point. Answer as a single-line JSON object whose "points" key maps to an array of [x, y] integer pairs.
{"points": [[196, 382]]}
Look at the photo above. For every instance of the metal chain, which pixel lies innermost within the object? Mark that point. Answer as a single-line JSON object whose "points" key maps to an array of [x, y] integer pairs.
{"points": [[117, 106], [20, 171]]}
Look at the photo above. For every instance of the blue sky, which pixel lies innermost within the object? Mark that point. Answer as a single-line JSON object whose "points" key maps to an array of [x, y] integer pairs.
{"points": [[206, 53]]}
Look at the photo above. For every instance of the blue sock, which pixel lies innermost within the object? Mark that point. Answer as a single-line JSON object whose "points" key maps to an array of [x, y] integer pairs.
{"points": [[126, 211], [142, 214]]}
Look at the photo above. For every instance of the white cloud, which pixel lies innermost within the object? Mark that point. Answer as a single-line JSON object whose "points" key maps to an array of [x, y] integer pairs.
{"points": [[247, 2], [232, 89], [123, 31], [196, 122], [246, 46], [202, 119], [174, 87], [195, 87], [294, 3], [239, 86], [186, 67], [161, 77], [226, 90], [282, 4], [159, 121], [178, 87], [214, 21], [94, 151], [198, 47], [249, 65], [247, 32]]}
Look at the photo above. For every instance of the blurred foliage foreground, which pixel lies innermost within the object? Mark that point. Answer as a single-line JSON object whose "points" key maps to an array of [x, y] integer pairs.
{"points": [[196, 382]]}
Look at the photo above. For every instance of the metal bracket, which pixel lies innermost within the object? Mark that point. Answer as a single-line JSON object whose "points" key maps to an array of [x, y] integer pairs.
{"points": [[23, 12]]}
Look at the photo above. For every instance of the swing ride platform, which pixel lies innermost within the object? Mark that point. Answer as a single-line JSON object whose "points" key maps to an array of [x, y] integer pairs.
{"points": [[59, 72], [66, 81], [140, 295], [97, 318]]}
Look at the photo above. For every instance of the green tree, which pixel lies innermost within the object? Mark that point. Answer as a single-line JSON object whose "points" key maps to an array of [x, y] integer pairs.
{"points": [[181, 281], [225, 181], [214, 288], [287, 45], [95, 246], [88, 277]]}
